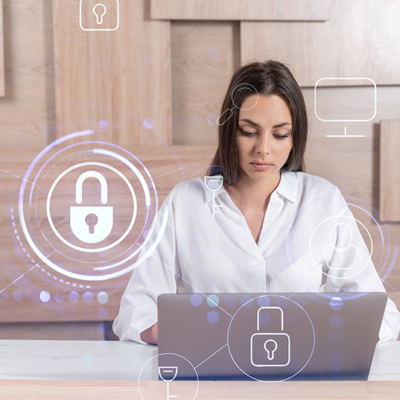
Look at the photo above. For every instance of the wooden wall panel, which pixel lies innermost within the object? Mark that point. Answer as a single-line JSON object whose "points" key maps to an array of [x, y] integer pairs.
{"points": [[267, 10], [389, 172], [122, 77], [168, 166], [2, 72], [204, 56], [359, 40], [27, 110]]}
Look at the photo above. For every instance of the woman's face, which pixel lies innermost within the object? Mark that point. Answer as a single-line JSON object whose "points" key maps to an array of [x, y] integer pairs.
{"points": [[264, 136]]}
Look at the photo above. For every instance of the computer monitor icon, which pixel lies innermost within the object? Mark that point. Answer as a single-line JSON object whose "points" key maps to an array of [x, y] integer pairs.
{"points": [[364, 82]]}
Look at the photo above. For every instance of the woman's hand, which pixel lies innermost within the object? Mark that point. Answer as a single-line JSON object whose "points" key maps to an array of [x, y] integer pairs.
{"points": [[150, 335]]}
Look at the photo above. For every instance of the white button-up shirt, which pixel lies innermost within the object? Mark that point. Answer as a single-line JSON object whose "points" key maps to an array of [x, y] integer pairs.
{"points": [[309, 242]]}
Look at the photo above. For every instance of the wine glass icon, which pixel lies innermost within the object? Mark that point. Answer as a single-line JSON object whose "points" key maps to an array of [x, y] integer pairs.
{"points": [[168, 374], [214, 183]]}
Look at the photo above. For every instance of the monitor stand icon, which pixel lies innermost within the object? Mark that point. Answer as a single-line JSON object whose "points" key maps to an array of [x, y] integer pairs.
{"points": [[168, 374]]}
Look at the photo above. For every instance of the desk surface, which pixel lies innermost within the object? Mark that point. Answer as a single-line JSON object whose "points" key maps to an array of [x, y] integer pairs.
{"points": [[122, 361]]}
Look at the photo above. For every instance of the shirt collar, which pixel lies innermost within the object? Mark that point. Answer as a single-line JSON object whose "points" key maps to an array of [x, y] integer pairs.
{"points": [[287, 188]]}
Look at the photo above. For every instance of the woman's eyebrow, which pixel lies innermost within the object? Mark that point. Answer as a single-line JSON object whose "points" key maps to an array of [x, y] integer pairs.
{"points": [[282, 124], [250, 122], [258, 126]]}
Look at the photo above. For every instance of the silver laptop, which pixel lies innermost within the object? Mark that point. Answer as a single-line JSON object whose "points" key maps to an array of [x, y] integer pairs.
{"points": [[269, 337]]}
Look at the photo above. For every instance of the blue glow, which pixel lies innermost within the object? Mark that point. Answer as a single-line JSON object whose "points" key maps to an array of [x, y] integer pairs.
{"points": [[196, 300], [212, 317], [212, 300]]}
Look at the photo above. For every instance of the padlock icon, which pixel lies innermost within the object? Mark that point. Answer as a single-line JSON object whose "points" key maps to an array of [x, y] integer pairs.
{"points": [[270, 349], [99, 15], [100, 229]]}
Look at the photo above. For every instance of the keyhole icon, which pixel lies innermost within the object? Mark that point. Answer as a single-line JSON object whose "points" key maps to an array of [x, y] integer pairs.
{"points": [[270, 349], [97, 9], [91, 220]]}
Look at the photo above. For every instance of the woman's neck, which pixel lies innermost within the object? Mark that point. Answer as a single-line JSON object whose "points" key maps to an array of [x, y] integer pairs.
{"points": [[255, 193]]}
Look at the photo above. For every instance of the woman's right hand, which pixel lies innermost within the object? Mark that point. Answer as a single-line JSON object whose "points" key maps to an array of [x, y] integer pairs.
{"points": [[150, 335]]}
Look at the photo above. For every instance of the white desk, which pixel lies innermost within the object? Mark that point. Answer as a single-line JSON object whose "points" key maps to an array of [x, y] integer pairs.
{"points": [[121, 361]]}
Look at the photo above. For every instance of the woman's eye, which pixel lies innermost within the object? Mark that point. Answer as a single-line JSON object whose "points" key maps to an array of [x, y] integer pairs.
{"points": [[280, 137], [247, 133]]}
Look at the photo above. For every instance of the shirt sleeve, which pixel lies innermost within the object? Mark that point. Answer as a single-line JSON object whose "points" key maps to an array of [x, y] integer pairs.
{"points": [[349, 267], [158, 274]]}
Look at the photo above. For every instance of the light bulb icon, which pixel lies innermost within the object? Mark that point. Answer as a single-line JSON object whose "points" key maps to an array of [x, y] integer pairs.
{"points": [[99, 10], [270, 348]]}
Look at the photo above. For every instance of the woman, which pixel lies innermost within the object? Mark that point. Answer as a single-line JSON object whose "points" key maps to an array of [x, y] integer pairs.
{"points": [[269, 228]]}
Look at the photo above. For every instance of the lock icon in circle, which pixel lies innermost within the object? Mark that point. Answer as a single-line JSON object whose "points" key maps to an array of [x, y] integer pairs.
{"points": [[104, 214], [270, 349], [99, 15]]}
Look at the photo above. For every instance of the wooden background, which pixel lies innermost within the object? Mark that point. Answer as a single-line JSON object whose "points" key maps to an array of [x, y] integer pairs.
{"points": [[172, 63]]}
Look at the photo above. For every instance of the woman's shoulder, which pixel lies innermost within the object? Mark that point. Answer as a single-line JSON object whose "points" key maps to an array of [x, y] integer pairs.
{"points": [[193, 189], [313, 183]]}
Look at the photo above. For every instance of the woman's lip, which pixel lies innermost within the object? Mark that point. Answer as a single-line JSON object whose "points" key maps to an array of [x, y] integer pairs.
{"points": [[260, 166]]}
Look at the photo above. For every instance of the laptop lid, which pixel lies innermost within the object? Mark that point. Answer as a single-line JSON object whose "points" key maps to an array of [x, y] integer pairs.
{"points": [[270, 337]]}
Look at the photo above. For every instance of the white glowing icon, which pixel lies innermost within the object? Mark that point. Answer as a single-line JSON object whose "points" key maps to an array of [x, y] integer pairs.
{"points": [[99, 10], [270, 348], [97, 228], [101, 17], [168, 374], [214, 183]]}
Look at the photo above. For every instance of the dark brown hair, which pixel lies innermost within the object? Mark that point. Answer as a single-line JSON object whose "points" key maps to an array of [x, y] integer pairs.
{"points": [[267, 78]]}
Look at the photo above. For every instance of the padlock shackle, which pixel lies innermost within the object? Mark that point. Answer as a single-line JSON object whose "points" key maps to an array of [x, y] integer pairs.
{"points": [[99, 177], [269, 308]]}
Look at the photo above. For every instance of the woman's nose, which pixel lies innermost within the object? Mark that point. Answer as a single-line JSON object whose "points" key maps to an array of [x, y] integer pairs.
{"points": [[262, 146]]}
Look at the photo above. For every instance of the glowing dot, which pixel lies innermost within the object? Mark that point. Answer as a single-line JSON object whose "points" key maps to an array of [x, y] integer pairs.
{"points": [[196, 120], [87, 359], [103, 253], [18, 132], [213, 53], [59, 296], [87, 297], [336, 303], [212, 119], [102, 297], [212, 317], [213, 251], [44, 296], [264, 301], [335, 360], [103, 126], [102, 344], [18, 295], [282, 302], [102, 328], [336, 338], [213, 234], [73, 297], [148, 59], [264, 318], [212, 300], [196, 300], [148, 123], [102, 313], [336, 321]]}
